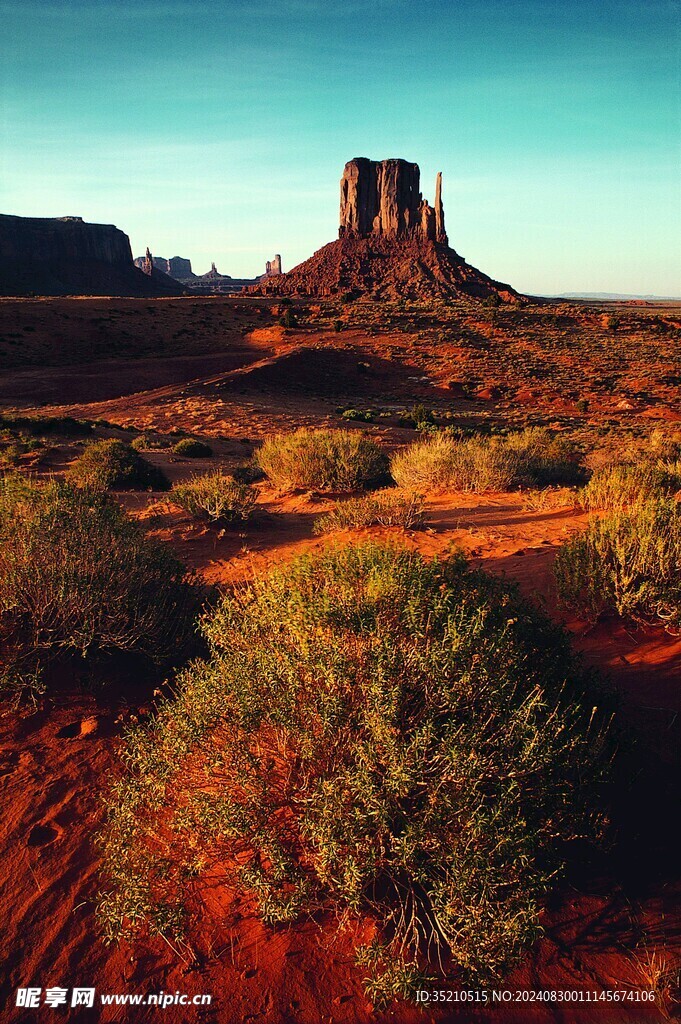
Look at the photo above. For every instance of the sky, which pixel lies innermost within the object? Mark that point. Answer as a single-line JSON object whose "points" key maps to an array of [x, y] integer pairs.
{"points": [[218, 131]]}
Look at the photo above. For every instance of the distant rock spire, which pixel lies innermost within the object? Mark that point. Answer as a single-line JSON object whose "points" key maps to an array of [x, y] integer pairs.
{"points": [[440, 233], [148, 265]]}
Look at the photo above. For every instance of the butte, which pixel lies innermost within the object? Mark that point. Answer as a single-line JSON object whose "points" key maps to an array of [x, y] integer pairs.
{"points": [[391, 244]]}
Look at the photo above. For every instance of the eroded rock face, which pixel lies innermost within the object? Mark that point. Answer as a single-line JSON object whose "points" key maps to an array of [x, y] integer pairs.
{"points": [[381, 198], [66, 255], [147, 266], [273, 267], [179, 268]]}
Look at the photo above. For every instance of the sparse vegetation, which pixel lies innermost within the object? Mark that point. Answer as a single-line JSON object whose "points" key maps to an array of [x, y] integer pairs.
{"points": [[326, 460], [288, 318], [150, 442], [78, 576], [444, 462], [190, 448], [627, 563], [215, 496], [373, 734], [113, 464], [383, 508], [417, 418], [547, 499], [13, 449], [43, 425], [362, 415], [623, 484]]}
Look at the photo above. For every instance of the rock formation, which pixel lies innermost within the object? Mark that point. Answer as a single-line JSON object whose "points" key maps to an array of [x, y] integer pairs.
{"points": [[179, 268], [391, 243], [147, 266], [273, 267], [67, 256], [381, 199], [214, 273], [176, 267]]}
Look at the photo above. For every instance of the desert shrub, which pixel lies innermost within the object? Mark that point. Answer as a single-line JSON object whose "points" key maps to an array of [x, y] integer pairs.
{"points": [[115, 464], [375, 734], [192, 449], [444, 462], [67, 426], [215, 496], [12, 450], [150, 442], [623, 484], [329, 460], [548, 499], [77, 575], [417, 418], [627, 562], [362, 415], [545, 457], [383, 508], [288, 319]]}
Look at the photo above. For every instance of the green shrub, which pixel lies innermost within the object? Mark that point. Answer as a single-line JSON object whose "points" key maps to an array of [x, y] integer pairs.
{"points": [[628, 563], [215, 496], [288, 319], [115, 464], [67, 426], [545, 457], [149, 442], [328, 460], [77, 575], [362, 415], [192, 449], [12, 450], [384, 508], [623, 484], [375, 735], [417, 417], [444, 462]]}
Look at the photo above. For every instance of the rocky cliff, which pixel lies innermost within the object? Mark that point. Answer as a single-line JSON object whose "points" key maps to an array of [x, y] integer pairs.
{"points": [[66, 256], [392, 243], [381, 199]]}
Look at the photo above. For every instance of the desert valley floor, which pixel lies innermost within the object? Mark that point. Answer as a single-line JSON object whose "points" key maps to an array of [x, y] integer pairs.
{"points": [[229, 372]]}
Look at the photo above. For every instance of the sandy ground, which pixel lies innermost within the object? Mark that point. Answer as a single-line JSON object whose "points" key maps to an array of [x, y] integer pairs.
{"points": [[608, 916]]}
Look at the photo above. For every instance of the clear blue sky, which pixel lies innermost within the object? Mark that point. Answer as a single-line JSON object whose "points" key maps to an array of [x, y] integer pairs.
{"points": [[219, 130]]}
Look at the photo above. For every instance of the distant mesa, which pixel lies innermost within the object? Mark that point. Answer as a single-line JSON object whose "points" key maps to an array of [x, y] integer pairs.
{"points": [[68, 256], [391, 243], [177, 267], [211, 283]]}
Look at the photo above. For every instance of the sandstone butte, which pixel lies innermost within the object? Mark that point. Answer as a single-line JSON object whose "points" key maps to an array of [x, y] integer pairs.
{"points": [[391, 243]]}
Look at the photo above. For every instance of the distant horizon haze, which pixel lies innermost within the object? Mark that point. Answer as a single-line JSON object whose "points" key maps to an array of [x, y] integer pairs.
{"points": [[218, 132]]}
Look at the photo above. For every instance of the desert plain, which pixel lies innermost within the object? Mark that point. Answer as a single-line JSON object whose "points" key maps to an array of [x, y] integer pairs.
{"points": [[230, 372]]}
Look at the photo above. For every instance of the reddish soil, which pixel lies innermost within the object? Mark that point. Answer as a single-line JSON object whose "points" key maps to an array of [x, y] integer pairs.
{"points": [[610, 914], [396, 268]]}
